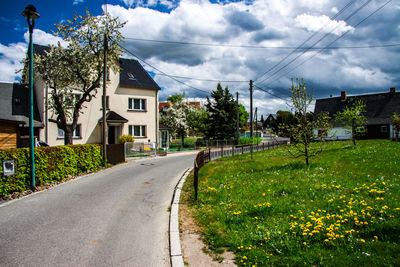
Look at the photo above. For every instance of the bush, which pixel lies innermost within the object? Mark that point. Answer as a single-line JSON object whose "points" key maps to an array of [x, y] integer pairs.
{"points": [[247, 140], [125, 138], [52, 164]]}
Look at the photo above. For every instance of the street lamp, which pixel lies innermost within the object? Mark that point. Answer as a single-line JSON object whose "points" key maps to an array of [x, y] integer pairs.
{"points": [[31, 14]]}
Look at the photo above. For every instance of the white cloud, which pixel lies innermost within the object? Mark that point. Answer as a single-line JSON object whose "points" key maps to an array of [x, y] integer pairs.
{"points": [[76, 2], [44, 38], [323, 22], [10, 60], [262, 23]]}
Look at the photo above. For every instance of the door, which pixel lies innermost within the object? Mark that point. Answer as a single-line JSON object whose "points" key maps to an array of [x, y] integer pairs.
{"points": [[111, 135]]}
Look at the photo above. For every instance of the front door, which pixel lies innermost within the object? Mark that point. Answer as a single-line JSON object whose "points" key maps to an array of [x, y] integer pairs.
{"points": [[111, 135]]}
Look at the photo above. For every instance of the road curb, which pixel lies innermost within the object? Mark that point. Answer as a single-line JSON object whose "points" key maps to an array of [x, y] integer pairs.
{"points": [[174, 239]]}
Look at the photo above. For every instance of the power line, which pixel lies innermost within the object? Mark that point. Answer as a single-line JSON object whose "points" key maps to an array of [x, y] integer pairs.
{"points": [[207, 80], [309, 38], [266, 91], [169, 76], [355, 26], [263, 47], [323, 37]]}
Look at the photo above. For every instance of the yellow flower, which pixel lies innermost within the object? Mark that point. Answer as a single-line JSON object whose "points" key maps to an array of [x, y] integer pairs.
{"points": [[362, 240], [304, 243], [244, 257]]}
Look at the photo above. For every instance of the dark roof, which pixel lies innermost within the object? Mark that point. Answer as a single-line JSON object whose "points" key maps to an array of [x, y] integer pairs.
{"points": [[380, 107], [112, 116], [14, 104], [132, 74]]}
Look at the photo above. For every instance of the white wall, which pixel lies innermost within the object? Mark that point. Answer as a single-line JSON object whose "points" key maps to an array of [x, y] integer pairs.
{"points": [[91, 130], [337, 133]]}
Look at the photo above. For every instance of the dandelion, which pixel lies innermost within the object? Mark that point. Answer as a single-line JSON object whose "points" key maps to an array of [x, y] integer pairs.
{"points": [[362, 240]]}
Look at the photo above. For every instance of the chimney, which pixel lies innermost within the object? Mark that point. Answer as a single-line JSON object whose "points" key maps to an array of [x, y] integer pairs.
{"points": [[343, 95], [392, 90]]}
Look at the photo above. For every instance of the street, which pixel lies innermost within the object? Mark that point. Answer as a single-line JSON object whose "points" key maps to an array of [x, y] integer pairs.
{"points": [[116, 217]]}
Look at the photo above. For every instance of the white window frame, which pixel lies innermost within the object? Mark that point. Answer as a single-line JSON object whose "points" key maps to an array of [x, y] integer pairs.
{"points": [[142, 131], [142, 104], [61, 134]]}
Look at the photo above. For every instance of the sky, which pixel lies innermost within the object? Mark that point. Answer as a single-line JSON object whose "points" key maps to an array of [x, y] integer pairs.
{"points": [[189, 46]]}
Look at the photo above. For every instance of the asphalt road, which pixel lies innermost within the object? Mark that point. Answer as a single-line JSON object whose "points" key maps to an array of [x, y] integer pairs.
{"points": [[117, 217]]}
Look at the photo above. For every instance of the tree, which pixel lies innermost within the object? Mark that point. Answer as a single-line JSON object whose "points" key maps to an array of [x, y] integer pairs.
{"points": [[196, 118], [284, 120], [176, 117], [221, 121], [396, 126], [78, 67], [301, 132], [176, 98], [353, 118], [243, 117]]}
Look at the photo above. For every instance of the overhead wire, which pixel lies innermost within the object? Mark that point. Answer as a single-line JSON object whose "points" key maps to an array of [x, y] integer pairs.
{"points": [[319, 40], [339, 37], [259, 47], [309, 38], [169, 76]]}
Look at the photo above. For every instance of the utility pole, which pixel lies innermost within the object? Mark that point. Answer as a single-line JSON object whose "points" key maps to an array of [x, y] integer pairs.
{"points": [[255, 116], [104, 100], [237, 118], [251, 118]]}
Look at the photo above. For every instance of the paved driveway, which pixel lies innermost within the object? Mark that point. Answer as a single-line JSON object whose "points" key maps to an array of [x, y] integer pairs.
{"points": [[117, 217]]}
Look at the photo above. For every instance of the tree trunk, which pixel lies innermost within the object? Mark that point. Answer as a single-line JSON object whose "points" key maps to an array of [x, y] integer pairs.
{"points": [[306, 153], [182, 140], [67, 136], [353, 134]]}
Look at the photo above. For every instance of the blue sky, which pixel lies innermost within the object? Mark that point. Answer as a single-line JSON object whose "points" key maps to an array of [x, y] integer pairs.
{"points": [[233, 41]]}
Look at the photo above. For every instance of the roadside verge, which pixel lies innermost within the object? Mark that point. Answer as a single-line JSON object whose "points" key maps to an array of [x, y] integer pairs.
{"points": [[174, 239]]}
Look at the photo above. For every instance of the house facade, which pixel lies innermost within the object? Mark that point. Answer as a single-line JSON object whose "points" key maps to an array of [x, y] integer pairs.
{"points": [[379, 113], [14, 116], [132, 108]]}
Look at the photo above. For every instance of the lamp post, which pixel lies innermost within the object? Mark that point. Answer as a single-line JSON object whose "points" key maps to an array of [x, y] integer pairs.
{"points": [[31, 14]]}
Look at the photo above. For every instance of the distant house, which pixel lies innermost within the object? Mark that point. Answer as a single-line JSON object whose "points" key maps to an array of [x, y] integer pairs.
{"points": [[163, 106], [270, 123], [14, 116], [132, 108], [380, 108]]}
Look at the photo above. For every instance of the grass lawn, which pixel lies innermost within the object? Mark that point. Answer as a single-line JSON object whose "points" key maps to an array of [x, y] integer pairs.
{"points": [[342, 210]]}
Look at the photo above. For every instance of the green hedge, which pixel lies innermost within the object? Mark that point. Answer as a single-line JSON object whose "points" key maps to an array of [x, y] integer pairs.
{"points": [[52, 164]]}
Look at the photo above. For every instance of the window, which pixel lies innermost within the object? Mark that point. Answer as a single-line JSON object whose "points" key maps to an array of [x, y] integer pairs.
{"points": [[137, 104], [137, 130], [384, 129], [75, 134]]}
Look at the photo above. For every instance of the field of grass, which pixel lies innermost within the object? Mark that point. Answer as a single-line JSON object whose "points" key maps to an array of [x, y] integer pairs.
{"points": [[342, 210]]}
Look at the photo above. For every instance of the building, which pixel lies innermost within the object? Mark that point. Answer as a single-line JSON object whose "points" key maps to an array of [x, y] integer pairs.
{"points": [[132, 108], [270, 123], [379, 113], [14, 116]]}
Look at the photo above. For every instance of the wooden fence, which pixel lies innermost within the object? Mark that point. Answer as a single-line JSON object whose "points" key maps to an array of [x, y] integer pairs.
{"points": [[205, 156]]}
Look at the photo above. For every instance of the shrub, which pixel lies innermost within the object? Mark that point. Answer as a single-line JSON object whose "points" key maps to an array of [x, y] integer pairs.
{"points": [[247, 140], [125, 138], [52, 164]]}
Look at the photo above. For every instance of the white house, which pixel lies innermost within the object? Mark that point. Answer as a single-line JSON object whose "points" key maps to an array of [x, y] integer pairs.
{"points": [[132, 108]]}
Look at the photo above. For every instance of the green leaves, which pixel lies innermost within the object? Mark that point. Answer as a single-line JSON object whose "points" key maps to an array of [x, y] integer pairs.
{"points": [[353, 118]]}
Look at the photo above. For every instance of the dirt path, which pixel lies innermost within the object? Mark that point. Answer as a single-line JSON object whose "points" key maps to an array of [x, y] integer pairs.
{"points": [[193, 249]]}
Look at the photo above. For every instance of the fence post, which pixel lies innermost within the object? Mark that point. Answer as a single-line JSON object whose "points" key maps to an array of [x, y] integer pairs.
{"points": [[196, 179], [233, 150], [222, 151]]}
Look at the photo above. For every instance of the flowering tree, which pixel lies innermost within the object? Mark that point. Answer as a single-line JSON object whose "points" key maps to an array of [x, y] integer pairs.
{"points": [[353, 118], [301, 131], [78, 67], [176, 117]]}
